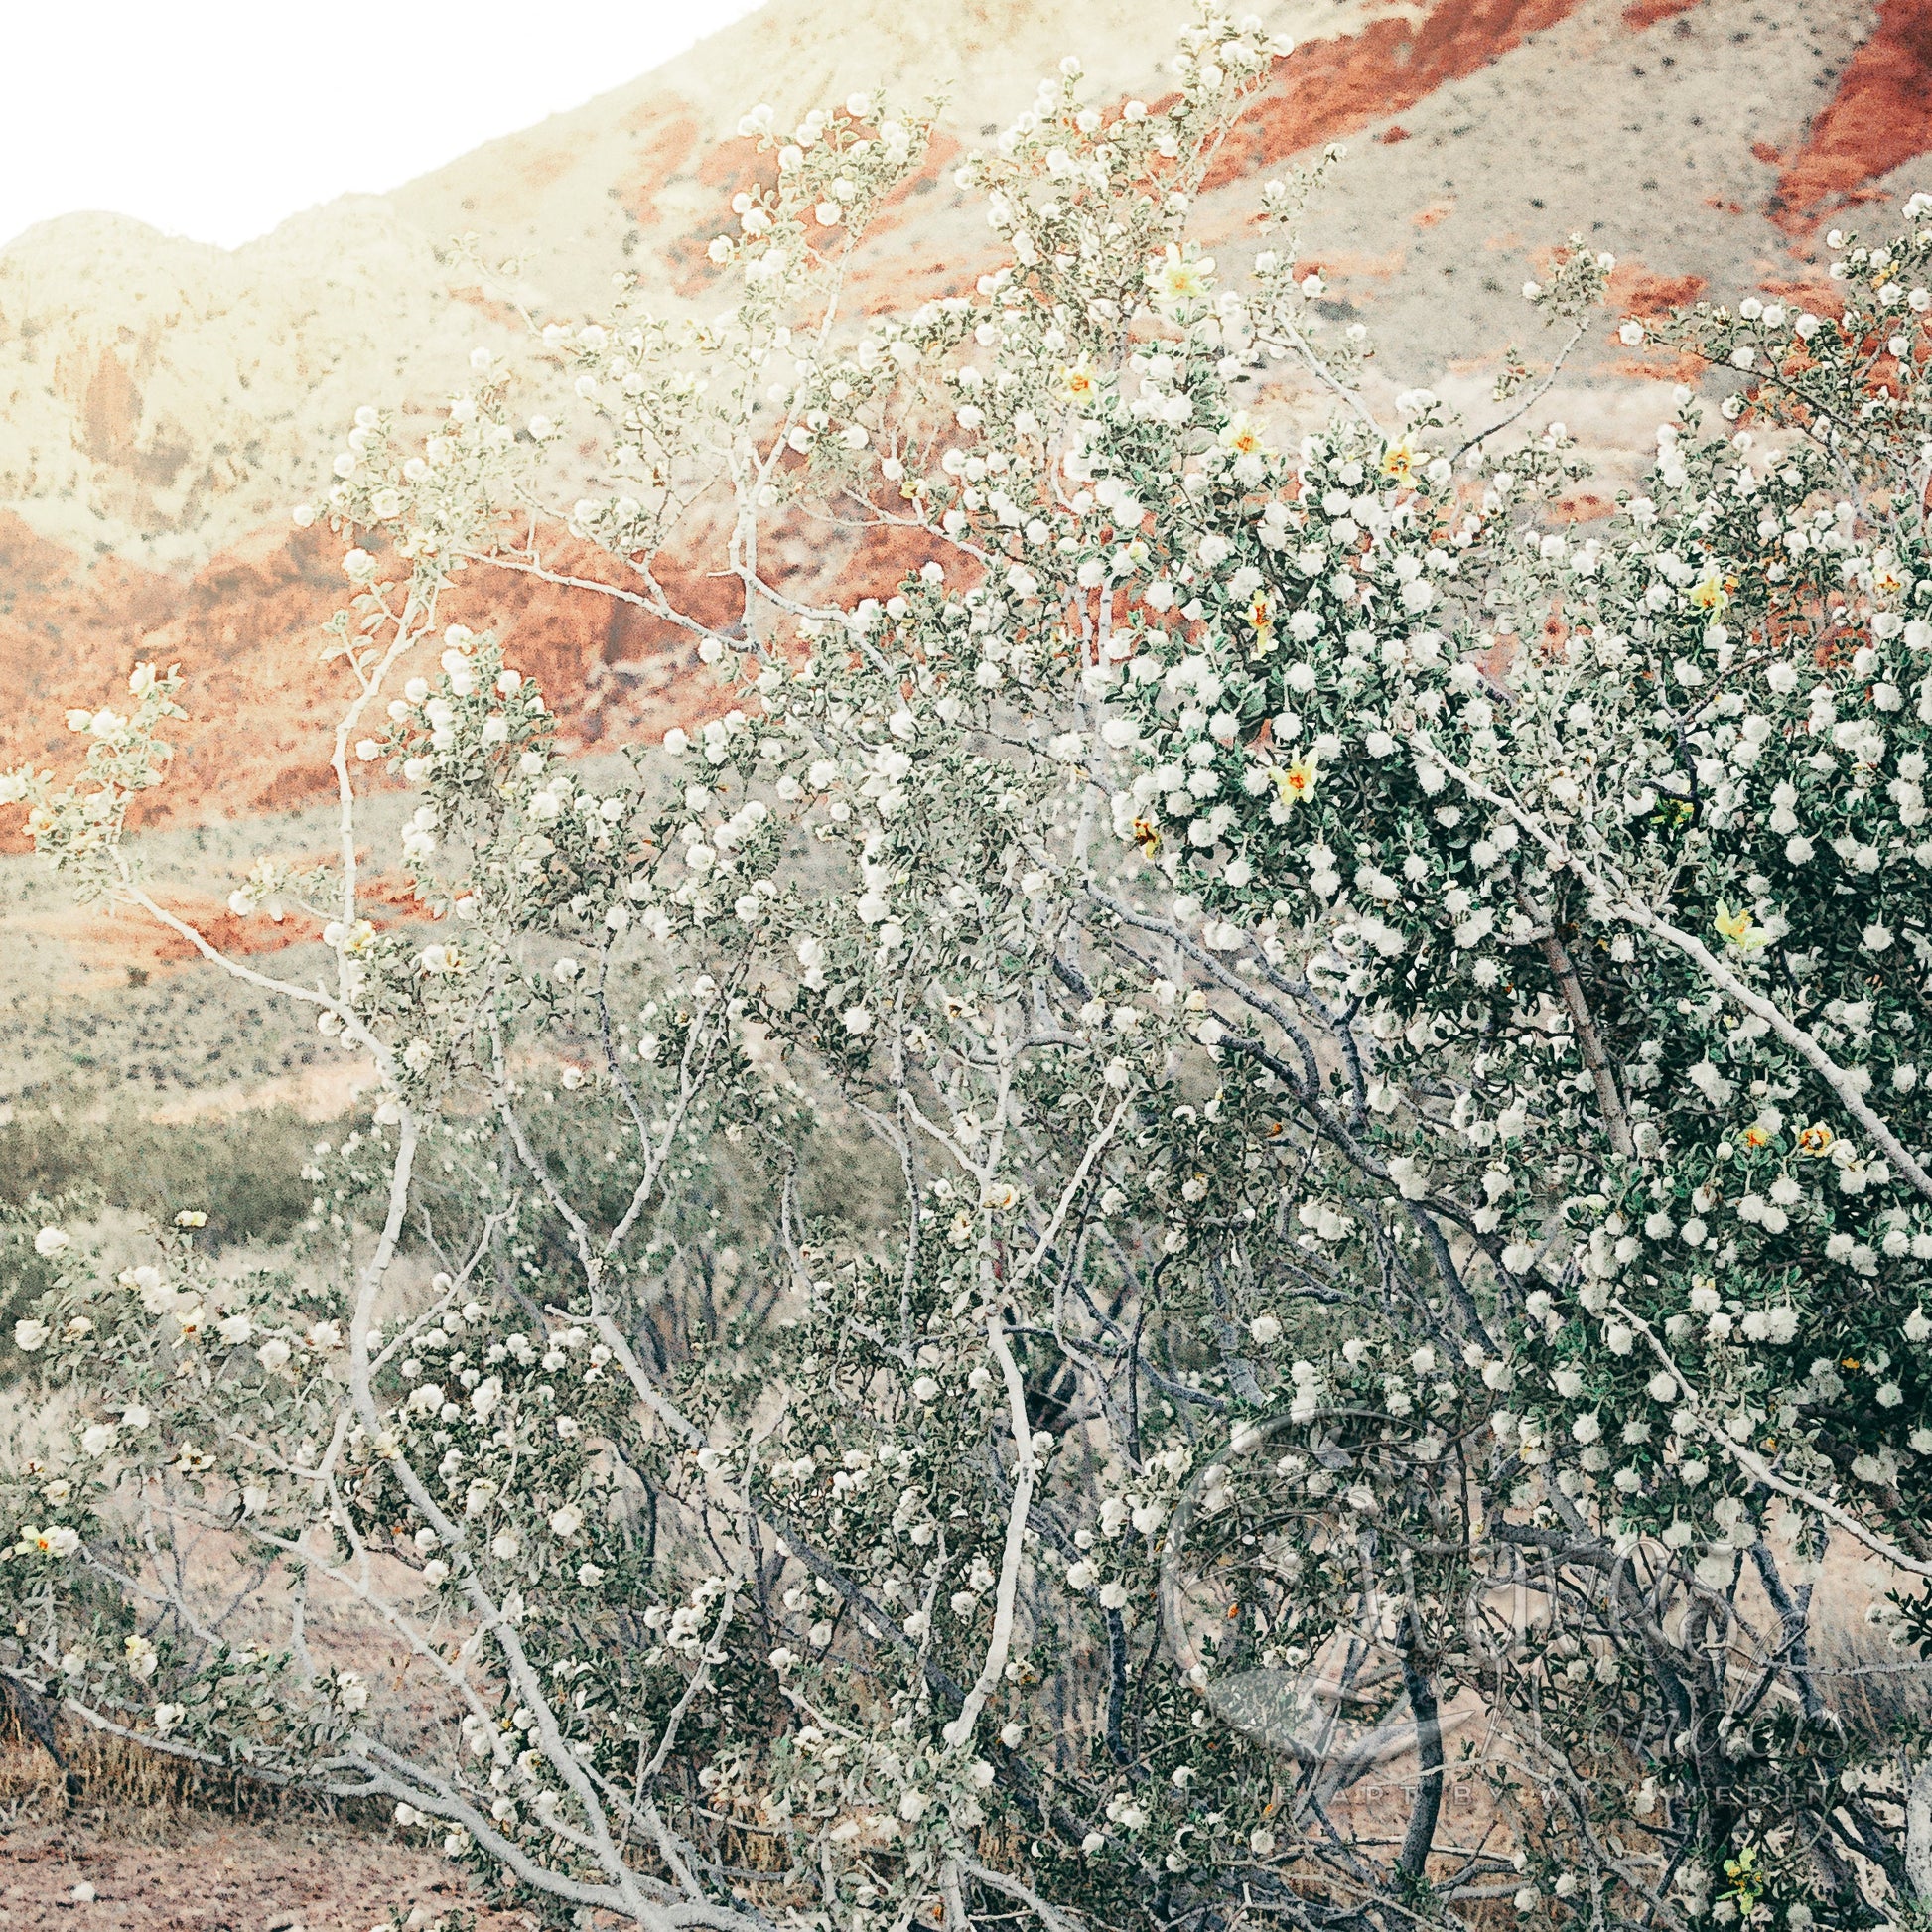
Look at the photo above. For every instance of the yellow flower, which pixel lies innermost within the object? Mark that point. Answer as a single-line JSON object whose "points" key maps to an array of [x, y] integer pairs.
{"points": [[1815, 1138], [1173, 280], [1712, 593], [1242, 436], [1147, 835], [1079, 385], [1746, 1880], [1294, 783], [1736, 929], [1261, 620], [1755, 1136], [1399, 462]]}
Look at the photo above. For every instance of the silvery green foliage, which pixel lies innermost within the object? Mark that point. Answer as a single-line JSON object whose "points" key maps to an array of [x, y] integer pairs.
{"points": [[1394, 1237]]}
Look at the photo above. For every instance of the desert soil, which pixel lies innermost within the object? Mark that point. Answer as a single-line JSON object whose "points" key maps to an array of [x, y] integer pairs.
{"points": [[210, 1874]]}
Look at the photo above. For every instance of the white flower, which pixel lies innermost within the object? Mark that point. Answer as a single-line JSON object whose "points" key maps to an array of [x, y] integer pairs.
{"points": [[30, 1336], [49, 1242], [567, 1521]]}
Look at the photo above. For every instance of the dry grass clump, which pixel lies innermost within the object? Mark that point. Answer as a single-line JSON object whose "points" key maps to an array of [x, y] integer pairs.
{"points": [[52, 1766]]}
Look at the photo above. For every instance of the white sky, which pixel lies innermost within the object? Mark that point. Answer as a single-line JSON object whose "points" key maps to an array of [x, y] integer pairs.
{"points": [[218, 118]]}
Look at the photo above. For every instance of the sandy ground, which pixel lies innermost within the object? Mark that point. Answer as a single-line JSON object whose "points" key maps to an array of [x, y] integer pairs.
{"points": [[222, 1875]]}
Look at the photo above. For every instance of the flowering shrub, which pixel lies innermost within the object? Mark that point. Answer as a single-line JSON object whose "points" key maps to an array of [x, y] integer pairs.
{"points": [[1402, 1232]]}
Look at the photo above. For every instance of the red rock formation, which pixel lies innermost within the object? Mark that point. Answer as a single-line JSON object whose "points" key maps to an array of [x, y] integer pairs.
{"points": [[1333, 88], [1878, 119], [1641, 15], [1636, 291], [246, 631]]}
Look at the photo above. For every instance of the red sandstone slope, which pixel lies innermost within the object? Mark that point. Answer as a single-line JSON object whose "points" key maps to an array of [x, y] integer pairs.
{"points": [[1333, 88], [247, 632], [247, 629], [1879, 118]]}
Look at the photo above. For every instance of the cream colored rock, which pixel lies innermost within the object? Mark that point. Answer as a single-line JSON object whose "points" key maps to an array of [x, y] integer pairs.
{"points": [[160, 397]]}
